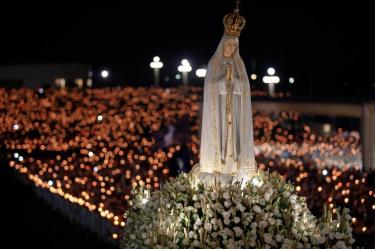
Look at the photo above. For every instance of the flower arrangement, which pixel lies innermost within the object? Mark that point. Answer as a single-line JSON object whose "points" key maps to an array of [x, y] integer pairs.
{"points": [[265, 212]]}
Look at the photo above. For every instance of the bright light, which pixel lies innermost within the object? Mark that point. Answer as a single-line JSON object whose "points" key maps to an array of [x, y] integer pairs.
{"points": [[144, 200], [271, 79], [325, 172], [41, 90], [253, 76], [89, 82], [104, 73], [96, 169], [185, 62], [271, 71], [60, 82], [50, 182], [185, 66], [100, 118], [201, 72], [178, 76], [91, 154], [20, 158], [291, 80], [16, 155], [156, 63], [327, 128], [16, 126]]}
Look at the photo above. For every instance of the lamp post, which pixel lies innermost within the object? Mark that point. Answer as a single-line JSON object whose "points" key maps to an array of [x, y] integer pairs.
{"points": [[89, 79], [156, 64], [184, 68], [271, 79]]}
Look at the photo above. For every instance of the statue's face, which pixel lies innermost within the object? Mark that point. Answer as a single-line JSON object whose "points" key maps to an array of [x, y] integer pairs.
{"points": [[229, 47]]}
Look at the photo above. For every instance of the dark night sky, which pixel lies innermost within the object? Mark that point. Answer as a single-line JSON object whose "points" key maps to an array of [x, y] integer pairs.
{"points": [[322, 45]]}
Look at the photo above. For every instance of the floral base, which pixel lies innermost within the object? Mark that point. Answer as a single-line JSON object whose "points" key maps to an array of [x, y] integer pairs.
{"points": [[265, 212]]}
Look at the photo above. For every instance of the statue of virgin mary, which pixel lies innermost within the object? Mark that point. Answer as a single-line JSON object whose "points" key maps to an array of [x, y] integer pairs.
{"points": [[227, 147]]}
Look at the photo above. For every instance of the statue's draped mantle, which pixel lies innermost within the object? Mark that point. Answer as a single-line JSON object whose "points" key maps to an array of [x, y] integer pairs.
{"points": [[210, 148]]}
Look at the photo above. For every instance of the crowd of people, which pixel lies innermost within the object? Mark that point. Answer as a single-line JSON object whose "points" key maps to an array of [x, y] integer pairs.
{"points": [[92, 146]]}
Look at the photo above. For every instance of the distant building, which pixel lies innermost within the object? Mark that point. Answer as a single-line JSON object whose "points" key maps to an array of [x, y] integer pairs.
{"points": [[33, 75]]}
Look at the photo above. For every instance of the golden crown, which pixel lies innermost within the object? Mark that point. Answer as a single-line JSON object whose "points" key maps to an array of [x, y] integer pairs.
{"points": [[234, 22]]}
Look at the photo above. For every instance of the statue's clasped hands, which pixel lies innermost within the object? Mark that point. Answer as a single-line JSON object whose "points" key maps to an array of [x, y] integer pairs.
{"points": [[230, 73]]}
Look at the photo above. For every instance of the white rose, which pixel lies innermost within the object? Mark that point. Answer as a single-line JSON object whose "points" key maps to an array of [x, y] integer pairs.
{"points": [[240, 207], [226, 215], [340, 245], [227, 204], [196, 243], [268, 238], [257, 209], [208, 226], [238, 231], [286, 194], [236, 220], [226, 221], [228, 232], [213, 221], [263, 224], [268, 195], [198, 222], [279, 238], [214, 195]]}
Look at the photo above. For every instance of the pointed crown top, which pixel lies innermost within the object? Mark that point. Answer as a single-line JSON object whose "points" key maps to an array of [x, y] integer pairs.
{"points": [[234, 22]]}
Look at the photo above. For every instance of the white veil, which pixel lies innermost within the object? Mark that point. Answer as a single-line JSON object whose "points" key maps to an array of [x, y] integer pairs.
{"points": [[210, 132]]}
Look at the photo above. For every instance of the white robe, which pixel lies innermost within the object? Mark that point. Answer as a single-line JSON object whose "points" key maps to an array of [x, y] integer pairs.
{"points": [[214, 121], [229, 127]]}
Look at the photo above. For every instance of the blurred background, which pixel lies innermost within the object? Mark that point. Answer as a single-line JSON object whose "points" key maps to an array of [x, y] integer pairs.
{"points": [[98, 98]]}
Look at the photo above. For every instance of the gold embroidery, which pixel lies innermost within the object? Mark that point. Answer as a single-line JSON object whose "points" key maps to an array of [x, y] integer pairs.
{"points": [[214, 133]]}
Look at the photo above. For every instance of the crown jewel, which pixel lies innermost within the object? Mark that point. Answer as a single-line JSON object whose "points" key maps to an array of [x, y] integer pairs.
{"points": [[234, 22]]}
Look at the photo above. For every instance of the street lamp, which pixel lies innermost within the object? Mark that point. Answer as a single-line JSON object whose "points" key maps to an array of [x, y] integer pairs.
{"points": [[271, 71], [156, 64], [89, 80], [201, 72], [184, 68], [271, 79], [104, 74]]}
